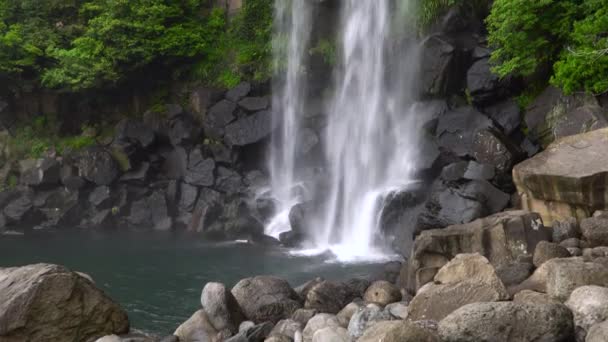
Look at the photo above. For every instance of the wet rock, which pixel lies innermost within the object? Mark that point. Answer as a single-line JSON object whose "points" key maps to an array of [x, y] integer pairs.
{"points": [[547, 250], [38, 303], [399, 331], [221, 307], [188, 196], [483, 85], [328, 297], [100, 197], [365, 318], [218, 116], [228, 181], [150, 212], [250, 129], [184, 131], [438, 62], [266, 298], [382, 293], [98, 166], [137, 175], [508, 321], [176, 163]]}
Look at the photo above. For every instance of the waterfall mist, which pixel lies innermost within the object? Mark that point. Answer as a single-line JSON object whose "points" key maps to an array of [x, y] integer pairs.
{"points": [[369, 142]]}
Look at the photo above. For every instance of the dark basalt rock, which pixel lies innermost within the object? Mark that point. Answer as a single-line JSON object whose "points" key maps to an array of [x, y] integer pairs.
{"points": [[218, 116], [46, 172], [237, 93], [456, 130], [207, 211], [250, 129], [254, 104], [184, 131], [505, 114], [200, 171], [438, 61], [483, 85], [176, 163], [188, 197], [228, 181], [137, 132], [150, 212], [98, 166]]}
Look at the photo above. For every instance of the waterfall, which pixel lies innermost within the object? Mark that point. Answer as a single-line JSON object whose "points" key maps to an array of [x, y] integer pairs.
{"points": [[369, 145]]}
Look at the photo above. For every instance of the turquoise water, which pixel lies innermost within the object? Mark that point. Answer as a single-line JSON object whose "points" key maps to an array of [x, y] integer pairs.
{"points": [[157, 277]]}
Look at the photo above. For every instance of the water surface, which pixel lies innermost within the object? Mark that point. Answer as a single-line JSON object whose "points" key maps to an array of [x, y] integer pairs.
{"points": [[157, 277]]}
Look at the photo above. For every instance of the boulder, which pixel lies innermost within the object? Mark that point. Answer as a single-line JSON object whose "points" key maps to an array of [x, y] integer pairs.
{"points": [[514, 273], [457, 129], [237, 93], [197, 328], [382, 293], [565, 275], [45, 172], [302, 316], [438, 63], [598, 333], [200, 171], [508, 321], [176, 163], [150, 212], [562, 181], [218, 116], [533, 297], [100, 197], [318, 322], [483, 85], [589, 304], [501, 238], [221, 307], [471, 268], [286, 327], [184, 131], [328, 297], [331, 334], [135, 131], [595, 230], [97, 165], [188, 194], [266, 298], [254, 104], [546, 251], [398, 310], [365, 318], [566, 229], [44, 302], [349, 310], [228, 181], [399, 331], [492, 147], [506, 114], [206, 212], [250, 129]]}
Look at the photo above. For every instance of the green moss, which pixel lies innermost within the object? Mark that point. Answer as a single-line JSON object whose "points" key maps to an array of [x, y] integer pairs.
{"points": [[326, 49], [122, 159]]}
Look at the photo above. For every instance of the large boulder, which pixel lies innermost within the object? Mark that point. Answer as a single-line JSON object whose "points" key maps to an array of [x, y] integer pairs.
{"points": [[546, 250], [331, 334], [319, 322], [366, 317], [399, 331], [456, 130], [438, 64], [501, 238], [382, 292], [250, 129], [589, 304], [595, 230], [598, 333], [328, 297], [563, 180], [483, 85], [221, 307], [97, 165], [553, 115], [197, 328], [44, 302], [218, 116], [150, 212], [135, 131], [565, 275], [508, 321], [45, 172], [506, 114], [492, 147], [266, 298]]}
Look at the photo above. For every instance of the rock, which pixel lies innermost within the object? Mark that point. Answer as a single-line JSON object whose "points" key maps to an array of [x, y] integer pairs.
{"points": [[317, 323], [238, 92], [513, 234], [574, 251], [565, 275], [365, 318], [100, 197], [206, 212], [228, 181], [514, 273], [476, 171], [278, 338], [302, 316], [221, 307], [45, 172], [188, 196], [349, 310], [286, 327], [331, 334], [399, 331], [307, 140], [382, 293], [254, 104], [473, 268], [250, 129], [218, 116], [595, 230], [508, 321], [533, 297], [239, 221], [176, 163], [38, 303], [200, 171], [598, 333], [266, 298], [456, 130], [566, 229], [97, 165], [553, 115], [139, 174], [328, 297], [547, 250], [258, 333], [70, 179], [589, 304], [135, 131], [506, 114], [483, 85], [197, 328], [571, 243], [184, 131], [109, 338], [438, 64], [398, 310], [150, 212], [492, 147]]}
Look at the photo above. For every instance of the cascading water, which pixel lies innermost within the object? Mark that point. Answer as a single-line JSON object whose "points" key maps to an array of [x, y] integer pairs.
{"points": [[371, 135]]}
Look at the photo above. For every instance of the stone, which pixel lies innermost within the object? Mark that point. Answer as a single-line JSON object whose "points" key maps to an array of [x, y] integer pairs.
{"points": [[286, 327], [398, 310], [266, 298], [546, 250], [221, 307], [238, 92], [473, 268], [382, 293], [365, 318], [483, 85], [556, 182], [476, 171], [438, 63], [513, 234], [139, 174], [200, 170], [492, 147], [508, 321], [149, 212], [571, 243], [218, 116], [318, 322], [188, 196], [506, 114], [278, 338], [302, 316], [38, 303], [595, 230], [228, 181], [349, 310], [197, 328], [565, 275], [331, 334], [184, 131], [45, 172], [97, 165], [598, 333], [206, 212], [514, 273], [250, 129], [566, 229], [176, 163], [533, 297], [589, 304], [399, 331], [259, 332], [456, 130], [135, 131], [328, 297], [100, 197], [254, 104]]}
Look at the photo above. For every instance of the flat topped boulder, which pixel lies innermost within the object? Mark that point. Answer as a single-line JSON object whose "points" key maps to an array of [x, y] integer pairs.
{"points": [[568, 179]]}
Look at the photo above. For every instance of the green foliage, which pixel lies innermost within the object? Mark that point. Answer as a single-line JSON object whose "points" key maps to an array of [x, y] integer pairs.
{"points": [[327, 50], [430, 10], [566, 39]]}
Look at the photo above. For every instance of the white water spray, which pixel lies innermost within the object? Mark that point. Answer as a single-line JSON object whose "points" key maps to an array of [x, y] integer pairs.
{"points": [[371, 139]]}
